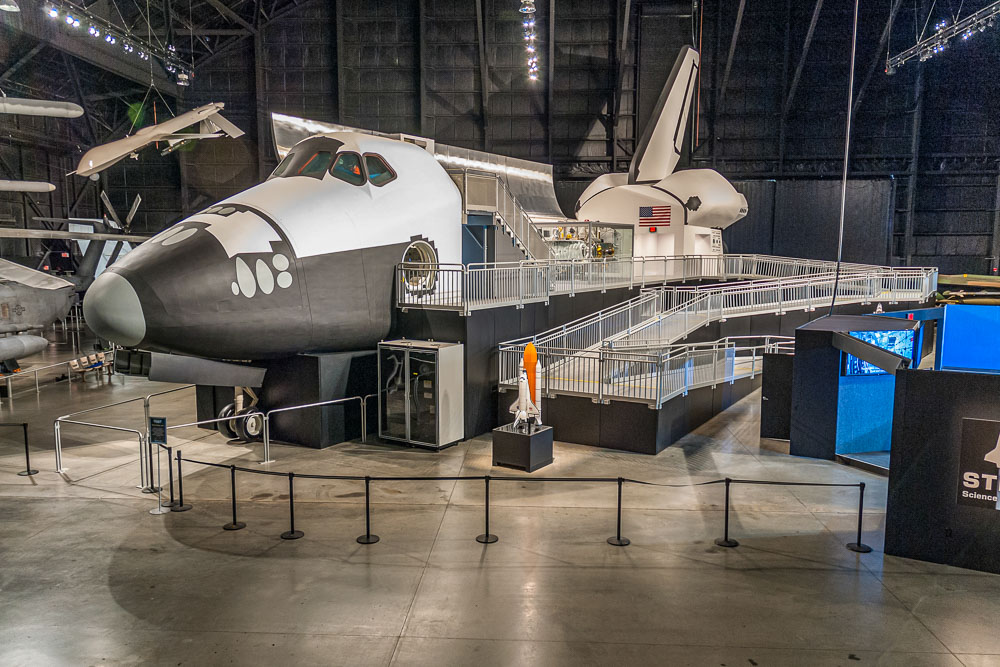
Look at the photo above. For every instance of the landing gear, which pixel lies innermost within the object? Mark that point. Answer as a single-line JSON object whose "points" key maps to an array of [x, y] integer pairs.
{"points": [[249, 428], [227, 428], [242, 422]]}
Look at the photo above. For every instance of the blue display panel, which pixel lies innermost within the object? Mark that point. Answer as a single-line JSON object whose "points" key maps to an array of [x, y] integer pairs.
{"points": [[898, 342], [967, 338]]}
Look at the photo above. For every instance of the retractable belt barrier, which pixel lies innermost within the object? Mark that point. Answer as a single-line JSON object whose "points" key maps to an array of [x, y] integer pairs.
{"points": [[486, 537]]}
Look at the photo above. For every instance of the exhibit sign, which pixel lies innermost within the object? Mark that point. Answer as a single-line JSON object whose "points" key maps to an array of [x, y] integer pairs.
{"points": [[158, 430], [979, 463]]}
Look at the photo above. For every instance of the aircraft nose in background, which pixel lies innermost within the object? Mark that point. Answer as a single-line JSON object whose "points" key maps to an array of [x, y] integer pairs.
{"points": [[112, 310]]}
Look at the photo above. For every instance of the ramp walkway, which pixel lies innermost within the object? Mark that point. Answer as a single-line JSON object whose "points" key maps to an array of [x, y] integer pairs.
{"points": [[466, 288], [631, 352]]}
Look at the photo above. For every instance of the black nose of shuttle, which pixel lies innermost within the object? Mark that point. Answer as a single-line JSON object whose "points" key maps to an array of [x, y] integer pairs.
{"points": [[113, 311]]}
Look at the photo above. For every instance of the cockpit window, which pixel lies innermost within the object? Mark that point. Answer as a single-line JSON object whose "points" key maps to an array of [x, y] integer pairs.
{"points": [[379, 173], [348, 168], [304, 163]]}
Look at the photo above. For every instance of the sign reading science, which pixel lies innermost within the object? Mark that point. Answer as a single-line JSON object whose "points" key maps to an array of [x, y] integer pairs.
{"points": [[979, 463]]}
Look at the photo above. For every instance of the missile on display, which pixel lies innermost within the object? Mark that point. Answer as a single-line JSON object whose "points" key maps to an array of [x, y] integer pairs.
{"points": [[26, 186], [212, 126], [51, 108]]}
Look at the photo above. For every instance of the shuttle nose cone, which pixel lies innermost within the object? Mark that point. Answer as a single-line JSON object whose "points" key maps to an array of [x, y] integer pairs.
{"points": [[112, 310]]}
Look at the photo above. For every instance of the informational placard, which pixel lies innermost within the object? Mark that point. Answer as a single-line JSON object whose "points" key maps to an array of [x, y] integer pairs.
{"points": [[158, 430], [979, 463]]}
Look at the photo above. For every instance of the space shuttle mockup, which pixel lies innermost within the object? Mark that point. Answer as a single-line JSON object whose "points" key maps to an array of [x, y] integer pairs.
{"points": [[666, 206], [305, 261]]}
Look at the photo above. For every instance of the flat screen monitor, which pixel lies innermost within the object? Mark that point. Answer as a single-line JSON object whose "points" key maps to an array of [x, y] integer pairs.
{"points": [[898, 342]]}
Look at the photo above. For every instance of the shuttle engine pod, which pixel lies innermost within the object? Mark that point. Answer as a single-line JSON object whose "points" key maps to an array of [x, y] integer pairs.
{"points": [[291, 265], [664, 204]]}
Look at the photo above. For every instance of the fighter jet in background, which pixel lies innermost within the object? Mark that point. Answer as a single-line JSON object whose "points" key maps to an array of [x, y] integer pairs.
{"points": [[29, 301], [212, 125]]}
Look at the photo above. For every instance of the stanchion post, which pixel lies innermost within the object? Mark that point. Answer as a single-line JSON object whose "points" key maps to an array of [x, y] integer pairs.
{"points": [[859, 546], [180, 506], [291, 533], [28, 470], [234, 524], [724, 541], [487, 537], [618, 540], [368, 538], [170, 476]]}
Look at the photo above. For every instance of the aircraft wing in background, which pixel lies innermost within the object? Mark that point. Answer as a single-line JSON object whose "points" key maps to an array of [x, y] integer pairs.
{"points": [[211, 125]]}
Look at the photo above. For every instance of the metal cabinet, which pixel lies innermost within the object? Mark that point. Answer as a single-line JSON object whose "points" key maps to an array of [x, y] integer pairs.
{"points": [[421, 392]]}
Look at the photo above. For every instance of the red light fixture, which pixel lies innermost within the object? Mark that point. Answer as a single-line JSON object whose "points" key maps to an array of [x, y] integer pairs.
{"points": [[652, 229]]}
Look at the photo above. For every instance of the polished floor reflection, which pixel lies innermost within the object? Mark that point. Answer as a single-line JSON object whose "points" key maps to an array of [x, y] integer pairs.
{"points": [[89, 576]]}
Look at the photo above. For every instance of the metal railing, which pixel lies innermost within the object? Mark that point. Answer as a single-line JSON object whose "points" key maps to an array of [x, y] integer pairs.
{"points": [[9, 379], [362, 402], [145, 464], [466, 288], [645, 373], [486, 192], [676, 310]]}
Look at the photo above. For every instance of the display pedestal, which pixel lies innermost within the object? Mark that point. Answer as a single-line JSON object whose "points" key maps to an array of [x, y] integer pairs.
{"points": [[516, 448]]}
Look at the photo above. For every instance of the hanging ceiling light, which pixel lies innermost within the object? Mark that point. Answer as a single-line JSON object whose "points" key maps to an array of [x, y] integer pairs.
{"points": [[528, 9], [944, 32], [9, 6]]}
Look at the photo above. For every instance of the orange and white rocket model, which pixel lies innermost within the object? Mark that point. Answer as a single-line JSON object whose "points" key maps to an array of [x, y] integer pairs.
{"points": [[528, 385]]}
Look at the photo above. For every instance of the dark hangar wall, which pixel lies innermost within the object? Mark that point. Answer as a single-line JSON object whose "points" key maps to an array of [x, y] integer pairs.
{"points": [[420, 66]]}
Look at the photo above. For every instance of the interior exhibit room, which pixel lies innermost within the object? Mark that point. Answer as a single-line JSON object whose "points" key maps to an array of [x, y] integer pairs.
{"points": [[500, 332]]}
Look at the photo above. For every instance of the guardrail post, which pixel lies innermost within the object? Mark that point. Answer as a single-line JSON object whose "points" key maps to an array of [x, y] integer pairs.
{"points": [[859, 546], [724, 541], [291, 533], [180, 506], [487, 537], [144, 443], [368, 538], [160, 507], [28, 470], [618, 540], [234, 524]]}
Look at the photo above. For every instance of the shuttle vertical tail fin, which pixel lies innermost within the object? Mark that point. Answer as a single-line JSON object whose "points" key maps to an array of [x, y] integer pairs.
{"points": [[659, 149]]}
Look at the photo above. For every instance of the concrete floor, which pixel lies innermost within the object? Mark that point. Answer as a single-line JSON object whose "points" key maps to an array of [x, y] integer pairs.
{"points": [[88, 576]]}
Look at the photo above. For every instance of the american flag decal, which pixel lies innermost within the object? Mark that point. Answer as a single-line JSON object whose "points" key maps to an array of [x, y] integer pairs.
{"points": [[654, 215]]}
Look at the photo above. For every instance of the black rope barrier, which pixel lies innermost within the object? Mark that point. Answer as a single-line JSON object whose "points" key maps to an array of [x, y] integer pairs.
{"points": [[487, 537], [291, 533], [368, 538], [618, 540], [180, 506], [234, 524], [28, 470]]}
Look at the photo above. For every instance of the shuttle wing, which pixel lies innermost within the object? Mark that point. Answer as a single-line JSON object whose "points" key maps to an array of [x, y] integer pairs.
{"points": [[659, 149], [212, 125]]}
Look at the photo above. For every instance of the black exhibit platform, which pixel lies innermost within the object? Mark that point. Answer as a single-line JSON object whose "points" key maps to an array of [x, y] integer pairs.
{"points": [[942, 504], [521, 449]]}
